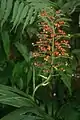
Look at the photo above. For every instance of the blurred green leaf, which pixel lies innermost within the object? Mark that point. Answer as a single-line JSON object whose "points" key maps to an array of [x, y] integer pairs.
{"points": [[20, 113], [6, 42], [67, 112], [7, 11], [3, 7], [23, 50], [9, 97], [66, 80]]}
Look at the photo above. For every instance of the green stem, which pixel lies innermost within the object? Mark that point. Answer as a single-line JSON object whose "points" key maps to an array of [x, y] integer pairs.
{"points": [[52, 51], [34, 79], [52, 62]]}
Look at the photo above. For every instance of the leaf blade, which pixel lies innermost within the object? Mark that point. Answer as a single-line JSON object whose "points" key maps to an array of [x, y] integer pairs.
{"points": [[6, 42], [23, 50], [15, 10], [7, 11]]}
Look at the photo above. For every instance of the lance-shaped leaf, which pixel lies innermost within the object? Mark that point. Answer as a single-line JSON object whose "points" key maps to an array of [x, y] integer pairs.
{"points": [[11, 97], [15, 10], [20, 8], [3, 7], [6, 42], [28, 18], [23, 50], [7, 11]]}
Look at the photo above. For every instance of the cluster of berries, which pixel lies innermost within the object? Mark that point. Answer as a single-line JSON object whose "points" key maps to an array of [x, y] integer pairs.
{"points": [[46, 36]]}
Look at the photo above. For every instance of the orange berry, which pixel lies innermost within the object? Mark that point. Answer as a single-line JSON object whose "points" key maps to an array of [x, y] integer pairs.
{"points": [[43, 13], [52, 35], [48, 48], [59, 47], [60, 31], [61, 22], [63, 50], [62, 53], [56, 53], [57, 43], [46, 58], [43, 49], [57, 25]]}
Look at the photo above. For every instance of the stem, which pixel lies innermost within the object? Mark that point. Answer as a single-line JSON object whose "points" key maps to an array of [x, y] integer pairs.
{"points": [[34, 79], [52, 62], [52, 51]]}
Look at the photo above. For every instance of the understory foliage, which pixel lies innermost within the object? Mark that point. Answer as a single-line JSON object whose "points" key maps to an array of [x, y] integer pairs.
{"points": [[36, 63]]}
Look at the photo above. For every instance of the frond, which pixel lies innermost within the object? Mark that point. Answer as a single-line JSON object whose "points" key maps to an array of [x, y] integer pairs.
{"points": [[21, 12]]}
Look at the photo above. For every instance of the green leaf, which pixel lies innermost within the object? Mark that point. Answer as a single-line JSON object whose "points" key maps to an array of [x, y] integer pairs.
{"points": [[9, 97], [20, 113], [29, 117], [28, 18], [20, 8], [23, 50], [3, 7], [15, 10], [67, 81], [18, 72], [7, 11], [15, 115], [14, 90], [69, 7], [60, 3], [33, 17], [41, 4], [6, 42], [18, 69], [76, 54], [29, 76], [23, 14], [74, 64], [67, 112], [76, 51], [20, 83]]}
